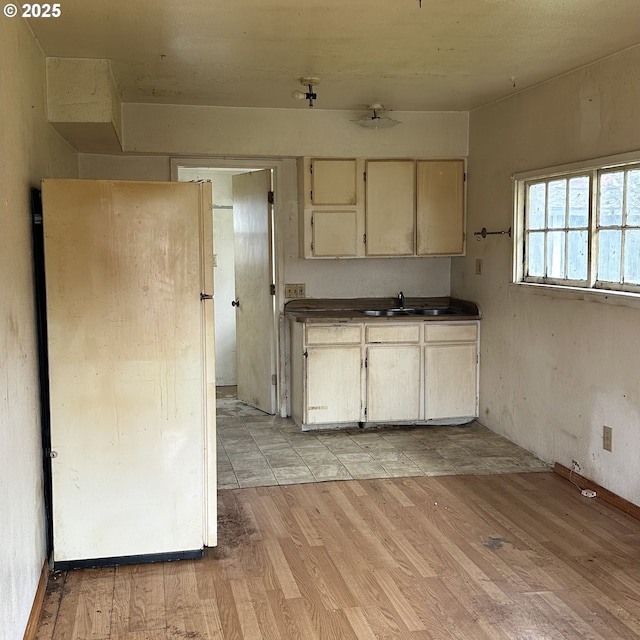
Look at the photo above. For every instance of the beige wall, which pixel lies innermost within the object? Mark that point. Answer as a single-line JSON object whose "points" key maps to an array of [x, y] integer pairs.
{"points": [[288, 133], [29, 151], [554, 369], [195, 130], [124, 167]]}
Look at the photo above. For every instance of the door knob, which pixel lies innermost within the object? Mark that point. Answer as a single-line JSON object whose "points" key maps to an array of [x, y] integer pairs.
{"points": [[235, 303]]}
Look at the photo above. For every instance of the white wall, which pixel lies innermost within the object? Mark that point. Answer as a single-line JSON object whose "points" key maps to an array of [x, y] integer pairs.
{"points": [[29, 151], [554, 370]]}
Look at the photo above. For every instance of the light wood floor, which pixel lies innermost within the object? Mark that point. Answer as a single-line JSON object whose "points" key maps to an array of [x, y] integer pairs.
{"points": [[517, 556]]}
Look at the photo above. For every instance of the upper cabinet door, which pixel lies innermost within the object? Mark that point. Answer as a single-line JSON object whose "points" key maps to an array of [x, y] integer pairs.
{"points": [[335, 233], [332, 208], [333, 182], [440, 207], [390, 207]]}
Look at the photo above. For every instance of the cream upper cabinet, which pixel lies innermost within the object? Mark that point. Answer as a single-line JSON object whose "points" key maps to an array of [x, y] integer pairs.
{"points": [[332, 208], [390, 207], [334, 234], [440, 219], [356, 208], [333, 182]]}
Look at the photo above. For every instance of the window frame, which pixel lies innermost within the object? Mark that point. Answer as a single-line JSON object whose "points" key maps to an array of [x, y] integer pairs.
{"points": [[592, 169]]}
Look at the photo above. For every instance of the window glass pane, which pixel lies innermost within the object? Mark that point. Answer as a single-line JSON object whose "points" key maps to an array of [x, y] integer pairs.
{"points": [[577, 255], [633, 198], [632, 256], [557, 203], [535, 210], [555, 254], [567, 233], [535, 254], [579, 201], [610, 206], [609, 255]]}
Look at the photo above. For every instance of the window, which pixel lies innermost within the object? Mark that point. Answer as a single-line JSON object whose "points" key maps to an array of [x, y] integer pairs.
{"points": [[580, 227]]}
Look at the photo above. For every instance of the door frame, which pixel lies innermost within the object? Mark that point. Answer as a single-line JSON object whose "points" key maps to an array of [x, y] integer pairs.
{"points": [[277, 167]]}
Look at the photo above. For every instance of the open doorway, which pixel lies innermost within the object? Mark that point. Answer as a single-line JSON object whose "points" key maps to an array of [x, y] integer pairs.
{"points": [[245, 280]]}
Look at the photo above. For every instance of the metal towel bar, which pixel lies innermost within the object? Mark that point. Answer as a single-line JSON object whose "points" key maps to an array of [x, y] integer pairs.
{"points": [[483, 233]]}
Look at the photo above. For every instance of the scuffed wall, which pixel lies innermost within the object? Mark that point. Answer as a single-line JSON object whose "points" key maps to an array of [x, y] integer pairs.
{"points": [[29, 151], [554, 368]]}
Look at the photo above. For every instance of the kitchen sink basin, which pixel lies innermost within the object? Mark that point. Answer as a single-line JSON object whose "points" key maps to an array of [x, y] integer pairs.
{"points": [[408, 312], [389, 312], [433, 312]]}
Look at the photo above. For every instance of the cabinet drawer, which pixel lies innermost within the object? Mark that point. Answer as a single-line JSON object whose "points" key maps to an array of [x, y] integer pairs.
{"points": [[405, 333], [334, 334], [450, 332]]}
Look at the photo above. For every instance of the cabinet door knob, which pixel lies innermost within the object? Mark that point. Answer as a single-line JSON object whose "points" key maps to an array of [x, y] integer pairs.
{"points": [[235, 303]]}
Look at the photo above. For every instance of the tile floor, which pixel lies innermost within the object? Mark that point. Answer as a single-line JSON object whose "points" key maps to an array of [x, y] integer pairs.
{"points": [[257, 450]]}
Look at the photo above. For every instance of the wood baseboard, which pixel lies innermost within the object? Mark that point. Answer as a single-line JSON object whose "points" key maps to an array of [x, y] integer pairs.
{"points": [[36, 609], [604, 494]]}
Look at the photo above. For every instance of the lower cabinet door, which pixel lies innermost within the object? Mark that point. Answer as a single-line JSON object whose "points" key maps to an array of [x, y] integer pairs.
{"points": [[451, 381], [334, 385], [393, 383]]}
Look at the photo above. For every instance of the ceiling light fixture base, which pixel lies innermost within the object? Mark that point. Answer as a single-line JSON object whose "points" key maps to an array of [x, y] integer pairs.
{"points": [[377, 119], [310, 94]]}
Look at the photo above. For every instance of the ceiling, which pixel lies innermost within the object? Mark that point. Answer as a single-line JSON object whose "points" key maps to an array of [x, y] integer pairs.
{"points": [[445, 55]]}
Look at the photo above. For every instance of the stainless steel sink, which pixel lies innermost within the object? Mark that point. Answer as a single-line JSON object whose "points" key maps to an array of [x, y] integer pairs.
{"points": [[399, 311], [433, 312], [389, 312]]}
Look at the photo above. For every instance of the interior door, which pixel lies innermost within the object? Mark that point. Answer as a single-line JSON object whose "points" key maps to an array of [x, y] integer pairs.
{"points": [[131, 367], [255, 314]]}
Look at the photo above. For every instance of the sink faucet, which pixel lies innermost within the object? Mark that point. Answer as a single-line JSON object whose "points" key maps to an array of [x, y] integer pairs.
{"points": [[401, 300]]}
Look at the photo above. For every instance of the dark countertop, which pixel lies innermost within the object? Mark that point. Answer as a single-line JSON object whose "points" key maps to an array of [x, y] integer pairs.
{"points": [[351, 309]]}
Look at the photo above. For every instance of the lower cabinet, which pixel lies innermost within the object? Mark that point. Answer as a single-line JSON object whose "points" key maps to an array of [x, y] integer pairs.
{"points": [[393, 383], [333, 384], [451, 371], [359, 372], [393, 372], [450, 381]]}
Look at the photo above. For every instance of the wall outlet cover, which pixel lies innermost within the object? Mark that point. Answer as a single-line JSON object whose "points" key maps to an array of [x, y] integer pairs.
{"points": [[607, 438], [290, 290]]}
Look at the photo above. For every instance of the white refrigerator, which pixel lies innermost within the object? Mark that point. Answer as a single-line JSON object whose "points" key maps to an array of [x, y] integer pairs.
{"points": [[129, 302]]}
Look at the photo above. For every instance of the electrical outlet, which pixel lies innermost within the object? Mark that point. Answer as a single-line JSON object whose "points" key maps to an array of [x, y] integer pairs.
{"points": [[575, 466], [478, 266], [607, 438], [294, 291]]}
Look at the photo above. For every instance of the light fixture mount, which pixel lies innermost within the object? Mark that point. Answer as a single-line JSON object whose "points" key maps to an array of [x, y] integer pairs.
{"points": [[310, 95]]}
